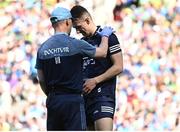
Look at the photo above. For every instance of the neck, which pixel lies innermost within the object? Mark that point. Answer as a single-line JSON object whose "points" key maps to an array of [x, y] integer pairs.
{"points": [[93, 29], [60, 30], [56, 32]]}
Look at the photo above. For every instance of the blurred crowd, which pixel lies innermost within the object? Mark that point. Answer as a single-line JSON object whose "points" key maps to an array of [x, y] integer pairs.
{"points": [[148, 90]]}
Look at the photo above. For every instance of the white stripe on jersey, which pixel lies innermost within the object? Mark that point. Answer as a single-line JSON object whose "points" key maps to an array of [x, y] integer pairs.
{"points": [[114, 48]]}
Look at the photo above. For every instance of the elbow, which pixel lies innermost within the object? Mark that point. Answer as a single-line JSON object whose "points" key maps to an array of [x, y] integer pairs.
{"points": [[119, 69]]}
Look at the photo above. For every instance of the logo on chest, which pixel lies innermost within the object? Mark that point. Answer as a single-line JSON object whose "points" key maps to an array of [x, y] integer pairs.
{"points": [[88, 61]]}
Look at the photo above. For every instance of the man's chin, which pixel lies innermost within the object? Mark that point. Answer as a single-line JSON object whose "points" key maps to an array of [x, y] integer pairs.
{"points": [[86, 35]]}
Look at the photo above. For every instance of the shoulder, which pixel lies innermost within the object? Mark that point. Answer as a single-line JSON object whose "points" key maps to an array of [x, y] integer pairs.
{"points": [[40, 50], [114, 44], [113, 39], [45, 45]]}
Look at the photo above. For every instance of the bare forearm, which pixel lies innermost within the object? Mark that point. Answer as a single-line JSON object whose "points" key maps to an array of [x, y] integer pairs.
{"points": [[104, 44], [115, 69], [101, 51], [111, 72]]}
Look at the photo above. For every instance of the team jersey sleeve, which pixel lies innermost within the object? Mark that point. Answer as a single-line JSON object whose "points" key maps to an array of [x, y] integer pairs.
{"points": [[114, 45], [38, 62], [85, 48]]}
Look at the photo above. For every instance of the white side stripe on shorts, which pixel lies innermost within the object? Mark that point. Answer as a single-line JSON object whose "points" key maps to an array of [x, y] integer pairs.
{"points": [[107, 109]]}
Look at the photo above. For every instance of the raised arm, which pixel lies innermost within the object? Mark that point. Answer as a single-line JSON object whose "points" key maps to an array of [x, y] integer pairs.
{"points": [[101, 51]]}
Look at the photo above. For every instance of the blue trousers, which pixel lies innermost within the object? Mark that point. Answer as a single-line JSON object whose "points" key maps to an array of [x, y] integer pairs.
{"points": [[65, 112]]}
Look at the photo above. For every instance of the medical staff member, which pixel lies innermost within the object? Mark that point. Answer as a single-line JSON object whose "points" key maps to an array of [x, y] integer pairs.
{"points": [[59, 67]]}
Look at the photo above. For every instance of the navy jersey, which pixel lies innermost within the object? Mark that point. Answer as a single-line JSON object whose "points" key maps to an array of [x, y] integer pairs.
{"points": [[60, 59], [94, 67]]}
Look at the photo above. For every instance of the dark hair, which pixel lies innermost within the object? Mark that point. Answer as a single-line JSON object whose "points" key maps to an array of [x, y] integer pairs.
{"points": [[78, 11], [54, 20]]}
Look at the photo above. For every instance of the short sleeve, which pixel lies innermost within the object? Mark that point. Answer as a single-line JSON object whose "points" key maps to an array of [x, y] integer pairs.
{"points": [[38, 62], [85, 48], [114, 45]]}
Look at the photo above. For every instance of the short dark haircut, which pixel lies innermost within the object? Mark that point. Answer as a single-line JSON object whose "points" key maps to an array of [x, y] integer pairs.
{"points": [[54, 20], [79, 11]]}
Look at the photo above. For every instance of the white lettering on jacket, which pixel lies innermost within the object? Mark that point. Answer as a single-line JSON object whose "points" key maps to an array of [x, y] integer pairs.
{"points": [[56, 51]]}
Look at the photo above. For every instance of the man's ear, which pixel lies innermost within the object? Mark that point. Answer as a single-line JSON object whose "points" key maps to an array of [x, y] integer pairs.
{"points": [[87, 20], [67, 22]]}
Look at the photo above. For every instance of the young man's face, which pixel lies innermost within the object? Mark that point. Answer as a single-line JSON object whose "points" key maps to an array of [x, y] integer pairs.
{"points": [[82, 26]]}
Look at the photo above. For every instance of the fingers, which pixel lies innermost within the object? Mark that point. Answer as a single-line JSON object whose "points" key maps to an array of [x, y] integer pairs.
{"points": [[89, 85], [87, 90], [107, 31], [109, 27], [85, 87]]}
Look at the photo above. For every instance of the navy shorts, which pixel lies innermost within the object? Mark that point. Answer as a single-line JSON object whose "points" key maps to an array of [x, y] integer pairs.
{"points": [[99, 107], [65, 112]]}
